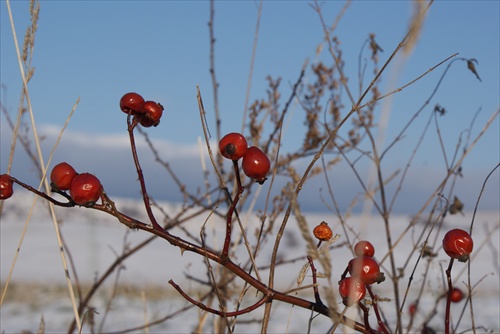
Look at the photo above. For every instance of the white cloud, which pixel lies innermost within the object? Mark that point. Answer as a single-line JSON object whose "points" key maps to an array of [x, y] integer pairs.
{"points": [[108, 156]]}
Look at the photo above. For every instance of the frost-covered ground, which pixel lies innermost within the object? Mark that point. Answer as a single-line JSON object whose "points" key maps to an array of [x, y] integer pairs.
{"points": [[94, 240]]}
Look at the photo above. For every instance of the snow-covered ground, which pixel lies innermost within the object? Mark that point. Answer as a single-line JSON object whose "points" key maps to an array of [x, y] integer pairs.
{"points": [[37, 287]]}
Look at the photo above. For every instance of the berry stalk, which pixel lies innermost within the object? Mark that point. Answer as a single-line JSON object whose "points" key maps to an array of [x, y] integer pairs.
{"points": [[131, 125]]}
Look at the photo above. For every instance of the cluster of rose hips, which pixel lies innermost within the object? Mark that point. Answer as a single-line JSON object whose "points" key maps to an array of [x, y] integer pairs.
{"points": [[364, 270], [84, 189], [255, 163], [147, 113]]}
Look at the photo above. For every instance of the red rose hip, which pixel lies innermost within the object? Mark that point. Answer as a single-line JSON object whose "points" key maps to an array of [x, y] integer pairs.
{"points": [[256, 164], [152, 113], [131, 103], [85, 189], [366, 269], [456, 295], [233, 146], [352, 290], [458, 244], [6, 186], [364, 248], [61, 176]]}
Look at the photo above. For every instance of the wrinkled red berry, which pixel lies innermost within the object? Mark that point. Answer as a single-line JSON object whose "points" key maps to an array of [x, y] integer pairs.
{"points": [[323, 232]]}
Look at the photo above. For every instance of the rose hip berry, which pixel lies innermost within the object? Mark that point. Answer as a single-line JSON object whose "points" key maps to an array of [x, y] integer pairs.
{"points": [[458, 244], [61, 176], [85, 189], [364, 248], [352, 290], [233, 146], [256, 164], [366, 269], [456, 295], [131, 103], [323, 232], [6, 186], [412, 309], [152, 113]]}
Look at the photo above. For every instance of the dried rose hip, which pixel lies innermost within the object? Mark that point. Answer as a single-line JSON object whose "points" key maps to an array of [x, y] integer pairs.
{"points": [[323, 232]]}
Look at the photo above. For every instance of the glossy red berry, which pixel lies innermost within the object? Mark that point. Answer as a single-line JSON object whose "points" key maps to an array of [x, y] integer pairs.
{"points": [[323, 232], [233, 146], [61, 176], [131, 103], [6, 186], [458, 244], [256, 164], [152, 113], [352, 290], [85, 189], [364, 248], [366, 269], [456, 295]]}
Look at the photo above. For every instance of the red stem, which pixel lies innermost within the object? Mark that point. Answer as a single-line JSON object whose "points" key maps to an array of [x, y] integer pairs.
{"points": [[131, 125], [232, 207], [375, 309], [315, 283], [44, 195], [365, 316], [220, 313], [448, 298], [270, 294]]}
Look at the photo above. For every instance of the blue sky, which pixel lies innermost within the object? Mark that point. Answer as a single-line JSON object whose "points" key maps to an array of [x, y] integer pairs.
{"points": [[99, 50]]}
